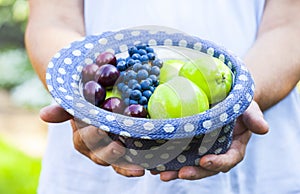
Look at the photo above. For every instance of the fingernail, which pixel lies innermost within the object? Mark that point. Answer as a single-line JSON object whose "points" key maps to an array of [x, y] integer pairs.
{"points": [[207, 164], [116, 152], [100, 132]]}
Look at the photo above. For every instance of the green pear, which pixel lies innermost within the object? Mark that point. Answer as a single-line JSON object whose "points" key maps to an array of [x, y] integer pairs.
{"points": [[178, 97], [211, 75], [170, 69]]}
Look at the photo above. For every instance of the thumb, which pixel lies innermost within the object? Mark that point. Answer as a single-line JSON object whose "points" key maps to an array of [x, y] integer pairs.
{"points": [[254, 120], [54, 114]]}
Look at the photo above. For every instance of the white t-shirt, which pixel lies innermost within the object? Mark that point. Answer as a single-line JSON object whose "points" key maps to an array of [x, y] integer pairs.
{"points": [[271, 164]]}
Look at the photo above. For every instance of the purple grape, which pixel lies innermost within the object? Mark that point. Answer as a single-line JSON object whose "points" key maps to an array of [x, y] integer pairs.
{"points": [[114, 104], [88, 72], [106, 58], [136, 110], [107, 75], [94, 93]]}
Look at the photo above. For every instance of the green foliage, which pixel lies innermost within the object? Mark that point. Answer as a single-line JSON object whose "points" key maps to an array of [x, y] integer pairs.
{"points": [[14, 65], [14, 68], [16, 73], [18, 172], [13, 19]]}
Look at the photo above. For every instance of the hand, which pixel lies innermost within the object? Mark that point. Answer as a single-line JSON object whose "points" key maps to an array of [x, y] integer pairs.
{"points": [[251, 121], [93, 142]]}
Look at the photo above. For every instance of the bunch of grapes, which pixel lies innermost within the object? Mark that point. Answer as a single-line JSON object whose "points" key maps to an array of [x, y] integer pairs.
{"points": [[136, 78], [139, 75], [99, 77]]}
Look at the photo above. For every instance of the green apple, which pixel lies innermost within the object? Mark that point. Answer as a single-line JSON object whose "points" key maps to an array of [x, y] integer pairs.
{"points": [[211, 75], [170, 69], [178, 97]]}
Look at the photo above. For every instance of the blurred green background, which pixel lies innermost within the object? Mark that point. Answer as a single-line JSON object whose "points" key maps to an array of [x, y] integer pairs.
{"points": [[21, 96]]}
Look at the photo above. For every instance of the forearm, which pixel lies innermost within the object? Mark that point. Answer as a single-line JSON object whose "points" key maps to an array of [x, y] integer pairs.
{"points": [[50, 28], [274, 62], [274, 59]]}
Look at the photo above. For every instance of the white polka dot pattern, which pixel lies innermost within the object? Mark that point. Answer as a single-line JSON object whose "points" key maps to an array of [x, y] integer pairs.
{"points": [[63, 81]]}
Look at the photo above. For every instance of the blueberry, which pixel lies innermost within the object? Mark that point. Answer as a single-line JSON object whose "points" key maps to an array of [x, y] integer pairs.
{"points": [[130, 62], [136, 67], [155, 70], [144, 58], [120, 86], [149, 50], [147, 93], [158, 63], [151, 56], [141, 46], [130, 75], [137, 61], [126, 101], [143, 100], [132, 82], [145, 84], [142, 74], [150, 81], [135, 94], [153, 78], [122, 66], [136, 86], [124, 88], [132, 50], [120, 59], [142, 52], [133, 102], [152, 88], [136, 56], [147, 67], [127, 93]]}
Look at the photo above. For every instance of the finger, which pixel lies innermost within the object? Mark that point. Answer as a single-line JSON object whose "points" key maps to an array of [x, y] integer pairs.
{"points": [[79, 143], [108, 154], [128, 170], [79, 124], [54, 114], [254, 120], [224, 162], [194, 173], [93, 137], [168, 175]]}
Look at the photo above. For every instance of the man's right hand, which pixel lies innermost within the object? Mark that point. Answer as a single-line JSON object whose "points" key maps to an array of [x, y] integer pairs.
{"points": [[93, 142]]}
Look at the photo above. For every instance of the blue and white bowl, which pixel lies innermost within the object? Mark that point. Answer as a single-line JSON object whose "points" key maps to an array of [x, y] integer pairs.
{"points": [[157, 144]]}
